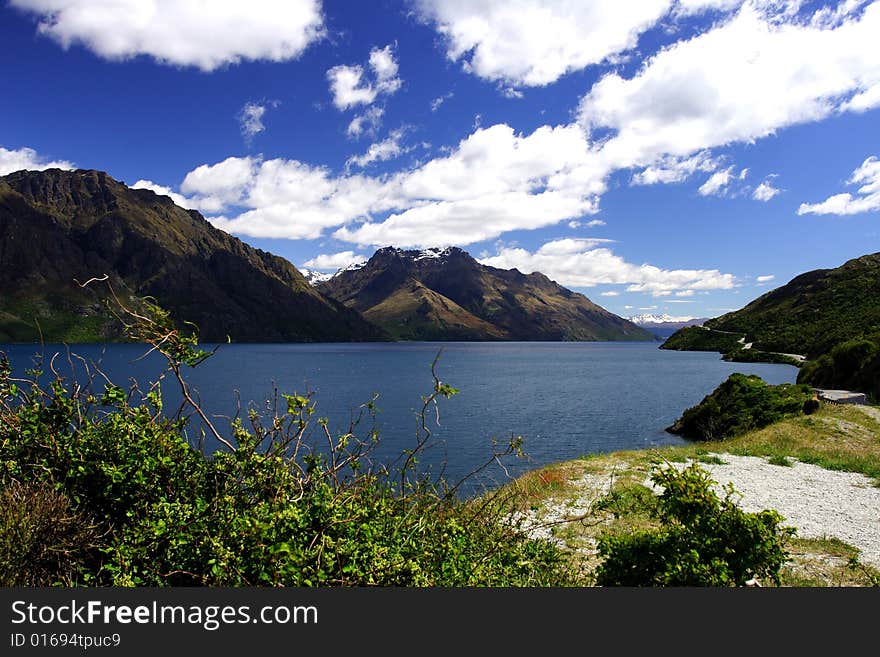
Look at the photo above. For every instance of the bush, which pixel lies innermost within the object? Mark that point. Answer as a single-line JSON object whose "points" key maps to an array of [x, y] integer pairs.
{"points": [[851, 365], [740, 404], [42, 540], [274, 506], [701, 540]]}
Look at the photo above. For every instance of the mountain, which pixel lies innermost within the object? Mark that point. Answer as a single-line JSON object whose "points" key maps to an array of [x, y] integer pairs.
{"points": [[809, 315], [314, 277], [447, 295], [57, 226], [662, 326]]}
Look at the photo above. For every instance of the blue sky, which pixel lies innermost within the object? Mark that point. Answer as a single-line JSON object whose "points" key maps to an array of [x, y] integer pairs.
{"points": [[662, 156]]}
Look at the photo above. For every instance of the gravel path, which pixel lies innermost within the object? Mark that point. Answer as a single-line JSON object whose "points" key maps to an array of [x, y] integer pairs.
{"points": [[819, 502]]}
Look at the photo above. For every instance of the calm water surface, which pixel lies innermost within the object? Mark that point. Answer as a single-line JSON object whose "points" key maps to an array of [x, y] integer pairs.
{"points": [[565, 399]]}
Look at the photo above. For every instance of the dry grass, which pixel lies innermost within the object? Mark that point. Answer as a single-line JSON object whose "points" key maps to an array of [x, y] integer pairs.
{"points": [[562, 497]]}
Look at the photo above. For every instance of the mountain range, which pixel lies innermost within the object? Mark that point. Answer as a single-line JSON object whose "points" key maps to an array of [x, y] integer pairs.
{"points": [[446, 294], [662, 326], [59, 228]]}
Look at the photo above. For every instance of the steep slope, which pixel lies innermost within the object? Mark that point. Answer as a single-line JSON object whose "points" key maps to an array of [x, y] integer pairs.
{"points": [[811, 314], [434, 294], [57, 226]]}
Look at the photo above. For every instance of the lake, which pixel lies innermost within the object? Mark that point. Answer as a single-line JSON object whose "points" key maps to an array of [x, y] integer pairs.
{"points": [[566, 399]]}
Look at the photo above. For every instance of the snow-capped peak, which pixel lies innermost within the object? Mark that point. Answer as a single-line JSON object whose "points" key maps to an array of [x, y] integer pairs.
{"points": [[352, 267], [315, 277], [665, 318], [431, 253]]}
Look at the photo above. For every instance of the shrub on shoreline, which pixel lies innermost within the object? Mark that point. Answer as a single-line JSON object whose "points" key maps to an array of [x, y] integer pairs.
{"points": [[740, 404]]}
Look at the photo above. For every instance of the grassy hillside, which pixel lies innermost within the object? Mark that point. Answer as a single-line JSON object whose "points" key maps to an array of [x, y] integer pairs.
{"points": [[811, 314]]}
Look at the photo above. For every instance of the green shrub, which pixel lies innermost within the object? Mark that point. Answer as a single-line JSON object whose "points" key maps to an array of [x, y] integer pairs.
{"points": [[851, 365], [701, 540], [268, 508], [740, 404]]}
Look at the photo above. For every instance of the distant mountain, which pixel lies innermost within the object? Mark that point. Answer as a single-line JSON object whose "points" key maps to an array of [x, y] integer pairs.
{"points": [[314, 277], [662, 326], [447, 295], [809, 315], [57, 226]]}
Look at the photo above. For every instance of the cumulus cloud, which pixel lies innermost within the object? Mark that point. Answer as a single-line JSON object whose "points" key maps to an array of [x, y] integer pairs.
{"points": [[609, 293], [334, 261], [717, 183], [866, 199], [27, 158], [535, 42], [223, 183], [366, 123], [387, 149], [182, 32], [766, 191], [585, 263], [494, 181], [671, 169], [755, 73], [250, 118], [765, 279], [465, 221], [354, 85]]}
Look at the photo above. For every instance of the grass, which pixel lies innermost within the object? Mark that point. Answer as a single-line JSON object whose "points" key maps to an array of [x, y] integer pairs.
{"points": [[836, 437]]}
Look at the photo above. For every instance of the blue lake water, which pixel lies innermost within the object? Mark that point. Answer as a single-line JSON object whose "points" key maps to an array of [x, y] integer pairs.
{"points": [[565, 399]]}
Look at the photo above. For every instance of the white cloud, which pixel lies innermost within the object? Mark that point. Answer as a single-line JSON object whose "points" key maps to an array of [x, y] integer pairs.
{"points": [[717, 183], [251, 118], [387, 149], [349, 88], [867, 198], [766, 191], [610, 293], [366, 123], [27, 158], [465, 221], [223, 183], [352, 86], [593, 223], [752, 75], [685, 293], [335, 261], [437, 102], [765, 279], [535, 42], [182, 32], [690, 7], [385, 68], [494, 181], [585, 263], [671, 169]]}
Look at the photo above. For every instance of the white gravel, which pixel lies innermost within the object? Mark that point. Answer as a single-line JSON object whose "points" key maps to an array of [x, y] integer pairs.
{"points": [[819, 502]]}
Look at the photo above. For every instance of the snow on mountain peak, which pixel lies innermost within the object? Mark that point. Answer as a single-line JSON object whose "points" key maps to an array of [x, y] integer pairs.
{"points": [[665, 318]]}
